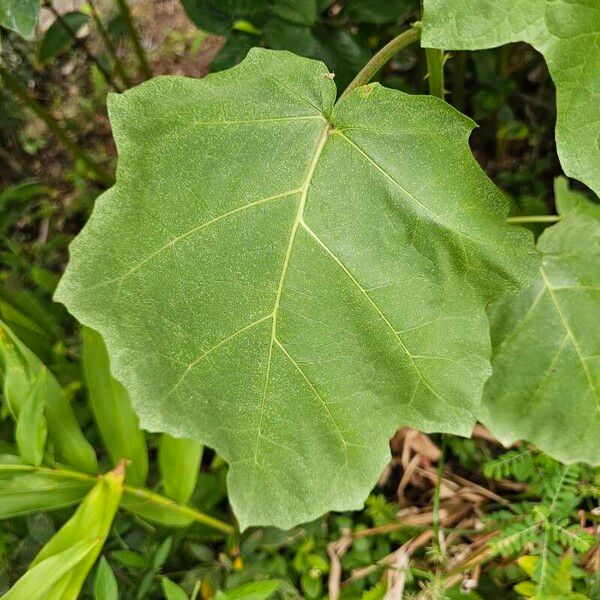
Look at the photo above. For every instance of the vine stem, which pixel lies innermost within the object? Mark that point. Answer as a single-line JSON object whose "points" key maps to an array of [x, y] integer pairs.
{"points": [[392, 48], [534, 219], [119, 68], [437, 494], [80, 43], [435, 71], [17, 88], [135, 39]]}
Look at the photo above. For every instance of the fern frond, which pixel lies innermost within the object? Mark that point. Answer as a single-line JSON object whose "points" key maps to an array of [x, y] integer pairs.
{"points": [[562, 492], [515, 537], [375, 593], [546, 568], [574, 537], [380, 510], [515, 464]]}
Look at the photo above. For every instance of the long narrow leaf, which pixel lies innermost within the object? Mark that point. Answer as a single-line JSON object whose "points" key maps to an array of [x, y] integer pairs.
{"points": [[25, 489], [105, 582], [118, 424], [38, 583], [91, 521], [20, 369], [31, 429], [179, 463]]}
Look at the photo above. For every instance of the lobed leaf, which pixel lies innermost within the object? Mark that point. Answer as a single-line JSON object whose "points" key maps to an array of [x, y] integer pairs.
{"points": [[545, 386], [289, 281], [566, 32]]}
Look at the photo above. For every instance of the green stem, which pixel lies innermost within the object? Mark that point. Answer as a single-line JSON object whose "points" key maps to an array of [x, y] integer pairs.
{"points": [[15, 86], [119, 67], [437, 493], [151, 497], [83, 46], [135, 38], [381, 58], [183, 510], [435, 71], [534, 219]]}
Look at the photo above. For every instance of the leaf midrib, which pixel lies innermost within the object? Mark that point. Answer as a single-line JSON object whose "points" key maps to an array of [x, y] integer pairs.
{"points": [[286, 261]]}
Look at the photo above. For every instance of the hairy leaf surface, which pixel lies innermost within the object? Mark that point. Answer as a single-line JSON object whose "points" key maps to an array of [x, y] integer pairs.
{"points": [[566, 32], [546, 359], [288, 281]]}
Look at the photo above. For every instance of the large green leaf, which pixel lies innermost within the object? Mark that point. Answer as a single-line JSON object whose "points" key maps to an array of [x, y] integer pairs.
{"points": [[566, 32], [288, 281], [20, 16], [546, 382]]}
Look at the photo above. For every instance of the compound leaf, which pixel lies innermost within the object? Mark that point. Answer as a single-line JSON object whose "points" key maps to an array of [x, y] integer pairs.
{"points": [[288, 281], [566, 32], [546, 359]]}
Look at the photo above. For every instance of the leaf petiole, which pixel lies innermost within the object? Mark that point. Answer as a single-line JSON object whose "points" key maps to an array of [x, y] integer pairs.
{"points": [[392, 48], [534, 219]]}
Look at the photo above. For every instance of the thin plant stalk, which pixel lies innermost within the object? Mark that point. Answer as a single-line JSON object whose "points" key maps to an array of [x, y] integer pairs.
{"points": [[141, 493], [16, 88], [392, 48], [110, 47], [83, 46], [135, 39], [435, 71], [437, 494], [534, 219]]}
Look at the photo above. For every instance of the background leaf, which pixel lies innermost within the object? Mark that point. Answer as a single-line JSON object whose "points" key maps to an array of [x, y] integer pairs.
{"points": [[110, 403], [20, 16], [172, 591], [566, 33], [58, 39], [31, 430], [179, 464], [24, 490], [105, 583], [545, 386], [20, 370]]}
